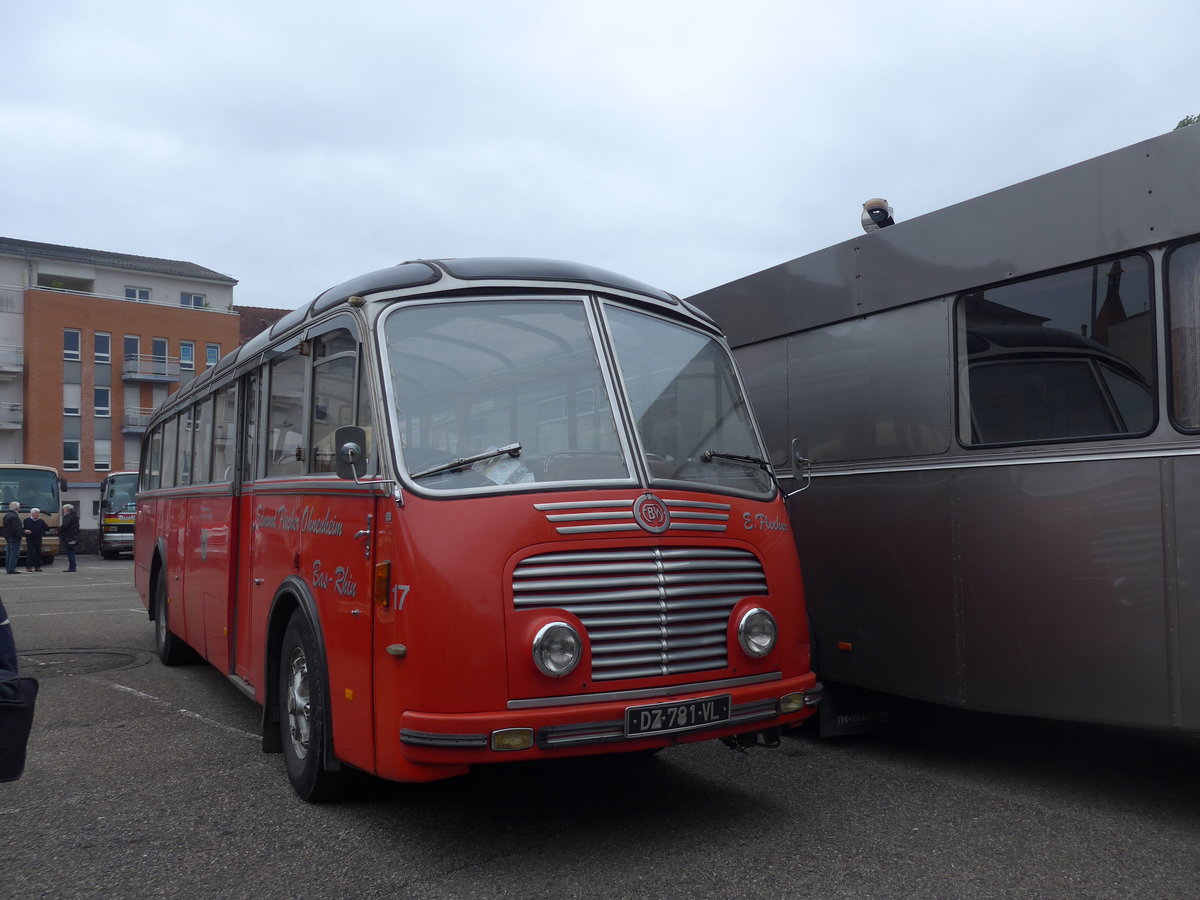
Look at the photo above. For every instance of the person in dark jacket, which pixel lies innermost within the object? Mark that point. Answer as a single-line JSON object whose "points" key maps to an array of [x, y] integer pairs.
{"points": [[68, 534], [13, 532], [35, 530]]}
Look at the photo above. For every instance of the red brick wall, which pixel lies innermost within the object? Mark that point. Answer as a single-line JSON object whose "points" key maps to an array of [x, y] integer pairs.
{"points": [[47, 314]]}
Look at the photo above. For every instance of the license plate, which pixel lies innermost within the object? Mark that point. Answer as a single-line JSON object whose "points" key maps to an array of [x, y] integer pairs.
{"points": [[664, 718]]}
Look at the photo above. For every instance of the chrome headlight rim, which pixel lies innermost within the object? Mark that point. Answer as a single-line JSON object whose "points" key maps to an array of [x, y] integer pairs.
{"points": [[542, 649], [752, 635]]}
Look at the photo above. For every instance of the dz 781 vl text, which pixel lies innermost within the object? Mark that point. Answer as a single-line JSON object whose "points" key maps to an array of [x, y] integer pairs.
{"points": [[465, 511]]}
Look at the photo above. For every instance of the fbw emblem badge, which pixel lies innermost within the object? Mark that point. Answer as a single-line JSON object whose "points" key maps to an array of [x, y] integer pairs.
{"points": [[651, 513]]}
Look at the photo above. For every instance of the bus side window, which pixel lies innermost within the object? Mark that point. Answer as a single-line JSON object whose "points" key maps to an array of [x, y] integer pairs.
{"points": [[286, 416], [251, 466], [224, 429], [366, 420], [335, 355], [170, 432], [202, 443]]}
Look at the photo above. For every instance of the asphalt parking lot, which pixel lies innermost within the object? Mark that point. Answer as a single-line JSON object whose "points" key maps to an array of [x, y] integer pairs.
{"points": [[145, 781]]}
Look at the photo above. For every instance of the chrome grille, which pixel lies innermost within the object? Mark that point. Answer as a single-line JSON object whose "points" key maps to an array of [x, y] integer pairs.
{"points": [[648, 611]]}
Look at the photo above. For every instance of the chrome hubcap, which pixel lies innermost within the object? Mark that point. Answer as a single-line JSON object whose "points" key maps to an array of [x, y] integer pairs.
{"points": [[298, 705]]}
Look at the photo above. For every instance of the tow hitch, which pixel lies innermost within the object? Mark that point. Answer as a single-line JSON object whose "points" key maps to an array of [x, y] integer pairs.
{"points": [[743, 742]]}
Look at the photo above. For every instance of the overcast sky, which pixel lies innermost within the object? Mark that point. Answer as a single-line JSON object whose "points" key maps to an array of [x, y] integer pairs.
{"points": [[293, 145]]}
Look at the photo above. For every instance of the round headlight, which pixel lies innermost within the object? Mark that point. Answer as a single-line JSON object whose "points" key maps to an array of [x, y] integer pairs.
{"points": [[556, 649], [757, 632]]}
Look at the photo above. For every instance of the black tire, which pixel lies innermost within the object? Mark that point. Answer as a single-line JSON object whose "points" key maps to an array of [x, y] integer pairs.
{"points": [[303, 712], [172, 649], [108, 554]]}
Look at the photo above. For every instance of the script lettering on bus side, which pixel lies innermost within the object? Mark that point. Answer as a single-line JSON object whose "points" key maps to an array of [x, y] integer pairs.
{"points": [[304, 520], [760, 522], [339, 579]]}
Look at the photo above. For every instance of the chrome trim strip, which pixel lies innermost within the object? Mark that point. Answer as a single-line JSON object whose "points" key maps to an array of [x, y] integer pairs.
{"points": [[641, 693], [940, 463], [694, 526], [585, 504], [697, 504], [593, 529], [585, 516]]}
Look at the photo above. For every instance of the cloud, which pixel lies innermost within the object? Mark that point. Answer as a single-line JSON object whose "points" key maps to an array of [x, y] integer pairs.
{"points": [[296, 144]]}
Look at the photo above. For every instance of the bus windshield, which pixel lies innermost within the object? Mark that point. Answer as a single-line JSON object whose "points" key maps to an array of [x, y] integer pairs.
{"points": [[30, 487], [513, 392], [119, 492]]}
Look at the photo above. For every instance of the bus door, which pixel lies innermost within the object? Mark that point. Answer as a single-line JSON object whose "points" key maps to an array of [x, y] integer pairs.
{"points": [[244, 595], [339, 524]]}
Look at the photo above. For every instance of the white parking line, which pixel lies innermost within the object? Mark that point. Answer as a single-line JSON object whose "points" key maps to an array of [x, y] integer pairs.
{"points": [[142, 695]]}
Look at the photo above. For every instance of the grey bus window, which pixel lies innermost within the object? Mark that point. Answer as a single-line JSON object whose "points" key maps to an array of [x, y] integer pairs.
{"points": [[366, 421], [224, 431], [183, 473], [286, 415], [202, 442], [1183, 289], [152, 461], [335, 356], [1063, 357], [251, 448], [170, 446], [875, 387]]}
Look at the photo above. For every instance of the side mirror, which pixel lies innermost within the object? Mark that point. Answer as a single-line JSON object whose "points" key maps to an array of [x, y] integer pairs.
{"points": [[351, 443], [801, 468], [62, 484]]}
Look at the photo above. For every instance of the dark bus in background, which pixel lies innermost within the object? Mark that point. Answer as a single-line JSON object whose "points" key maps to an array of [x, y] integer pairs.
{"points": [[999, 407]]}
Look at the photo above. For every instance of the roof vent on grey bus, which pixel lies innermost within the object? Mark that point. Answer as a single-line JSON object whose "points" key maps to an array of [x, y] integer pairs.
{"points": [[876, 214]]}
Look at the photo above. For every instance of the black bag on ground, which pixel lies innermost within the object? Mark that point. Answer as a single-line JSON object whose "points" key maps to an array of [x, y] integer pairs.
{"points": [[18, 693]]}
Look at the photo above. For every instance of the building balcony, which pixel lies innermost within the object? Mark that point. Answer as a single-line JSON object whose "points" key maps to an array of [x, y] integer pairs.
{"points": [[12, 416], [135, 419], [12, 361], [151, 368]]}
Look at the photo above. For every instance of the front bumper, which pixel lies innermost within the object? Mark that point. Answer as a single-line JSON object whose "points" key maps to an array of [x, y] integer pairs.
{"points": [[579, 728]]}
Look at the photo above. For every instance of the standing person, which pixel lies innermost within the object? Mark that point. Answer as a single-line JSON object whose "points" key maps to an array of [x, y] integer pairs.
{"points": [[13, 530], [68, 533], [35, 530]]}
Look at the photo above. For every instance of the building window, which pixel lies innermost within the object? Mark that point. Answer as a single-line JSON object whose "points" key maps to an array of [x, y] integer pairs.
{"points": [[103, 401], [212, 353], [133, 348], [140, 294], [70, 456], [72, 394], [196, 301], [102, 454], [103, 347], [187, 355], [71, 343]]}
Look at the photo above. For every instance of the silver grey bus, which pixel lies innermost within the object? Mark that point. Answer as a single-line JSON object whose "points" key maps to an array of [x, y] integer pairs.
{"points": [[999, 407]]}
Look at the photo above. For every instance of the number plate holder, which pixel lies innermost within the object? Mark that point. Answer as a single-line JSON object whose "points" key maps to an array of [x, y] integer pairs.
{"points": [[669, 718]]}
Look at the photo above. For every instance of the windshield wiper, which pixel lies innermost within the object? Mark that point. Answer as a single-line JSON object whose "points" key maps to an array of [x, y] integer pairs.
{"points": [[710, 455], [513, 450]]}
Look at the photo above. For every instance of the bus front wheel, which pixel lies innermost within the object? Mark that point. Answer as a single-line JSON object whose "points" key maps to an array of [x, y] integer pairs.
{"points": [[302, 714]]}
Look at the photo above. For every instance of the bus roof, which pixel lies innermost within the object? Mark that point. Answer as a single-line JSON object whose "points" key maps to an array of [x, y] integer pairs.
{"points": [[421, 279], [1139, 196]]}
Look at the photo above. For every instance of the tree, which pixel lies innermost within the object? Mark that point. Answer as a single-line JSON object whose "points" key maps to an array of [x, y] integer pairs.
{"points": [[1189, 120]]}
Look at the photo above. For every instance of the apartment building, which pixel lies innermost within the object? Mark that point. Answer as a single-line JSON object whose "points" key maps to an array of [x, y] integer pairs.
{"points": [[108, 334]]}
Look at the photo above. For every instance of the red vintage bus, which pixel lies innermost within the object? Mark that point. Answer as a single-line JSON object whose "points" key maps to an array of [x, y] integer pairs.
{"points": [[467, 511]]}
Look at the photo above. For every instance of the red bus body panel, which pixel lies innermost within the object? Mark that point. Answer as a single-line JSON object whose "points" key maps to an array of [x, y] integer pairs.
{"points": [[445, 596]]}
